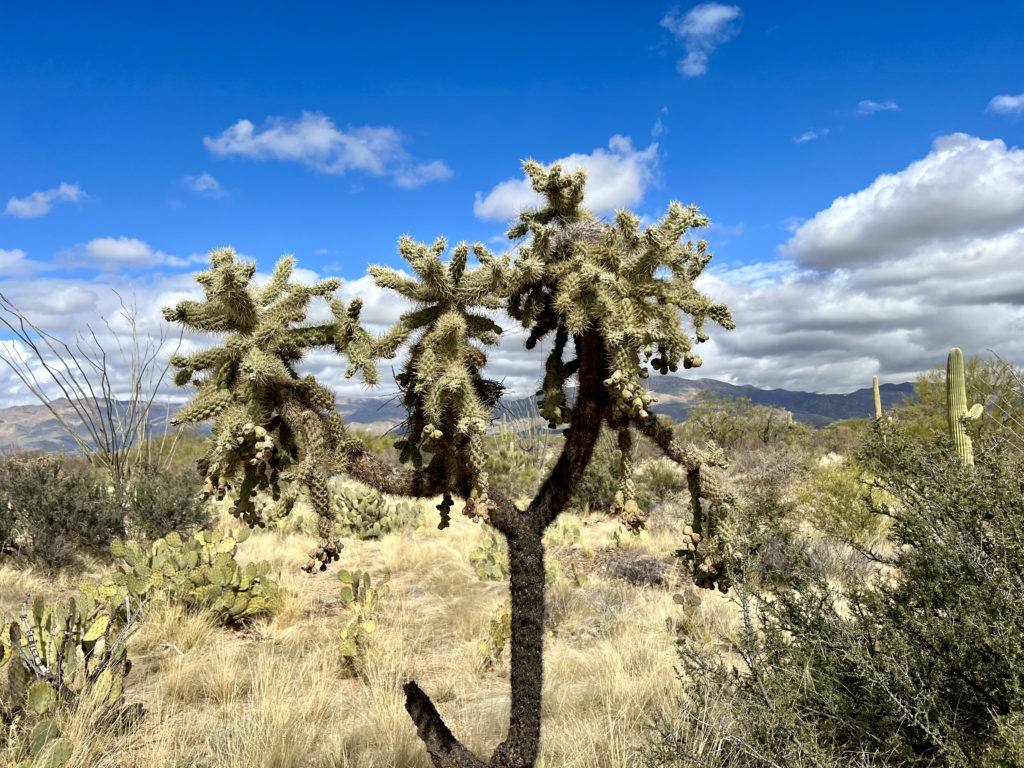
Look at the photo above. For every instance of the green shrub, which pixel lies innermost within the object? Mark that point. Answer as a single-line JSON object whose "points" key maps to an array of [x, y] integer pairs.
{"points": [[923, 665], [596, 490], [660, 479], [513, 472], [157, 504], [835, 502], [50, 515]]}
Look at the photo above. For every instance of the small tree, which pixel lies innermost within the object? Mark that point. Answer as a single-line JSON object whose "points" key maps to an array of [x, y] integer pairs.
{"points": [[614, 290]]}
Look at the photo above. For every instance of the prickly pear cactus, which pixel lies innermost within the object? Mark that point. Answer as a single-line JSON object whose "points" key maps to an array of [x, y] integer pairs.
{"points": [[359, 597], [58, 652], [564, 532], [200, 572], [553, 574], [355, 640], [490, 560], [367, 514], [498, 631], [357, 594], [43, 747]]}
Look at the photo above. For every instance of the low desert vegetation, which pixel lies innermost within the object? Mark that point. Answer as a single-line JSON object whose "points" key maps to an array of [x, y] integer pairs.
{"points": [[736, 590], [833, 549]]}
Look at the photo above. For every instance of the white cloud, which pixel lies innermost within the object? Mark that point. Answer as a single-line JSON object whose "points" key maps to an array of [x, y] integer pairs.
{"points": [[868, 107], [13, 263], [810, 322], [885, 280], [113, 253], [39, 203], [617, 177], [314, 141], [127, 251], [806, 136], [418, 175], [964, 187], [205, 184], [700, 31], [1007, 105]]}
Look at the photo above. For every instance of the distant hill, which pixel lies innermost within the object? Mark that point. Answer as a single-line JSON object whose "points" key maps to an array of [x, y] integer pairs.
{"points": [[34, 428]]}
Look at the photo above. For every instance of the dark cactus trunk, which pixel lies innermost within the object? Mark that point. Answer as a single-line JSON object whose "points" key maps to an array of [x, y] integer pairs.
{"points": [[526, 561], [521, 746]]}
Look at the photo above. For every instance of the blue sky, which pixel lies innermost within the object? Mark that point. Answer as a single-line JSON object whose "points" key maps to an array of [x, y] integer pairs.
{"points": [[858, 161]]}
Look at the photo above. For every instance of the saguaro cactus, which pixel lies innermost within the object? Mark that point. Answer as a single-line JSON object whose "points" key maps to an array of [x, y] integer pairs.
{"points": [[878, 398], [956, 406]]}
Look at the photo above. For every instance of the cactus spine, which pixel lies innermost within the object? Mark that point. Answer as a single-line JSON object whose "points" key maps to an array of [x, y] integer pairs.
{"points": [[878, 398], [956, 406]]}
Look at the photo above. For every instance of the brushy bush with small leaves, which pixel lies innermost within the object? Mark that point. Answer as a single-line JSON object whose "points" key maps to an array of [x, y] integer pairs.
{"points": [[50, 515], [835, 502], [920, 665], [158, 503]]}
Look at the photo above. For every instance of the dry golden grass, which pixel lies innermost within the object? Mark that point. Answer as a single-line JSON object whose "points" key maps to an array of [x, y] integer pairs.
{"points": [[278, 695]]}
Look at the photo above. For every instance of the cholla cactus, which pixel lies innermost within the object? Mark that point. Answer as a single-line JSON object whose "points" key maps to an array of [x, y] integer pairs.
{"points": [[449, 403], [269, 424], [612, 295], [578, 274]]}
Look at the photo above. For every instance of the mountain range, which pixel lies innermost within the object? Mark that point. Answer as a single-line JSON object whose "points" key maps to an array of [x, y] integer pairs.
{"points": [[34, 428]]}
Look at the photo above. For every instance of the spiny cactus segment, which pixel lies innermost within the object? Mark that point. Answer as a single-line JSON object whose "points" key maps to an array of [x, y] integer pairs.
{"points": [[270, 425], [577, 273], [449, 403]]}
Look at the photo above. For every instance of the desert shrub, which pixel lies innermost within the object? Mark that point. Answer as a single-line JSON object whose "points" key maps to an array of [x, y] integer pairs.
{"points": [[514, 472], [734, 422], [846, 436], [920, 666], [834, 501], [157, 504], [596, 491], [50, 515], [660, 479]]}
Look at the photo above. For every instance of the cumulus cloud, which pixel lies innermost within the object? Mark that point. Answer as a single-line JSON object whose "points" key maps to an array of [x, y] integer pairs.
{"points": [[964, 187], [868, 107], [617, 177], [700, 30], [114, 253], [314, 141], [885, 280], [1007, 105], [39, 203], [806, 136], [14, 263], [808, 321], [205, 184]]}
